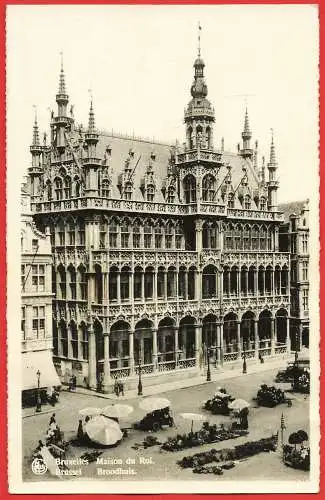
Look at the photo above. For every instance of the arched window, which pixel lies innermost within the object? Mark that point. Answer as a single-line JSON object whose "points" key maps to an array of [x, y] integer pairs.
{"points": [[190, 189], [61, 233], [147, 235], [125, 234], [247, 202], [136, 234], [229, 237], [82, 233], [178, 235], [103, 234], [208, 188], [262, 203], [263, 238], [58, 188], [255, 235], [189, 133], [150, 192], [231, 200], [77, 187], [238, 237], [71, 233], [171, 194], [67, 187], [246, 238], [113, 229], [105, 188], [169, 231], [82, 281], [128, 189], [74, 339], [158, 236]]}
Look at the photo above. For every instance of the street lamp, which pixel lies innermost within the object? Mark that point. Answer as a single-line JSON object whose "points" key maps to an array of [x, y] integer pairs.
{"points": [[208, 370], [244, 359], [139, 367], [38, 398]]}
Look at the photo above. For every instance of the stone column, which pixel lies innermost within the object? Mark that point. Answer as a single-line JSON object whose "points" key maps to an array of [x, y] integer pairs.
{"points": [[288, 342], [263, 281], [272, 283], [142, 286], [131, 286], [238, 282], [198, 235], [256, 282], [229, 281], [165, 285], [246, 282], [107, 375], [256, 338], [218, 354], [131, 352], [155, 285], [198, 343], [92, 363], [186, 285], [239, 346], [176, 347], [221, 343], [273, 335], [118, 287], [198, 285], [154, 350]]}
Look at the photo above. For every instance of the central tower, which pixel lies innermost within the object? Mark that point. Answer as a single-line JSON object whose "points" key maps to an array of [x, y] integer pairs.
{"points": [[199, 114]]}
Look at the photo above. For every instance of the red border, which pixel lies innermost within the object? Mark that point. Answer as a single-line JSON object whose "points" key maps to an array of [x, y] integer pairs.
{"points": [[3, 358]]}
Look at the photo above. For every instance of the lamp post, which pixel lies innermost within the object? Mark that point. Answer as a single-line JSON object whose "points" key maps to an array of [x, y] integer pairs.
{"points": [[139, 367], [208, 370], [38, 397]]}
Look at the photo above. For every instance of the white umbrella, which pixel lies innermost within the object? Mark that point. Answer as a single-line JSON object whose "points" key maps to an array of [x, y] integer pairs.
{"points": [[197, 417], [221, 395], [117, 410], [152, 404], [103, 431], [90, 412], [238, 405]]}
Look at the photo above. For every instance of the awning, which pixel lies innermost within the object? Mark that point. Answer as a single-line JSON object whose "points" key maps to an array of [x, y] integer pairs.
{"points": [[42, 361]]}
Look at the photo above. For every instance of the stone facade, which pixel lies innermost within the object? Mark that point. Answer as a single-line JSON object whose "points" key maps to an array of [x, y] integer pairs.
{"points": [[162, 255]]}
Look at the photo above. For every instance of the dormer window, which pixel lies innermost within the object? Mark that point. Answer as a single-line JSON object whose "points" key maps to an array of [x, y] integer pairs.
{"points": [[171, 194], [247, 202], [231, 200], [105, 188], [262, 203], [150, 192], [128, 191]]}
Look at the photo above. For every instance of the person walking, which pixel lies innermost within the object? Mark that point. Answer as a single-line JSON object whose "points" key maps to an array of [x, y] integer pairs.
{"points": [[80, 432], [52, 419]]}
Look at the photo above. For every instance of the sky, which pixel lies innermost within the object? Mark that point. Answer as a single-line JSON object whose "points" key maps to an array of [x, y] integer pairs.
{"points": [[138, 63]]}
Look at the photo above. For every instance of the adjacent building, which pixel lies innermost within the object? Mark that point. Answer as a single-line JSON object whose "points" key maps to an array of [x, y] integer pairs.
{"points": [[162, 256], [294, 235], [36, 304]]}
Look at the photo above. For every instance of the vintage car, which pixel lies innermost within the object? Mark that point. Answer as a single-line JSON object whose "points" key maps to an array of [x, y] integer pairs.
{"points": [[301, 383], [270, 396], [155, 420], [218, 404], [291, 370], [296, 458]]}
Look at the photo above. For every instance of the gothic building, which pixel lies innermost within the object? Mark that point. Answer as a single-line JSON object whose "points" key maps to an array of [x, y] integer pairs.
{"points": [[162, 255], [36, 305], [294, 236]]}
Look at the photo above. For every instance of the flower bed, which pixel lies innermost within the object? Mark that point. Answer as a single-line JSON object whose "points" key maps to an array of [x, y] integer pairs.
{"points": [[296, 458], [245, 450], [207, 435]]}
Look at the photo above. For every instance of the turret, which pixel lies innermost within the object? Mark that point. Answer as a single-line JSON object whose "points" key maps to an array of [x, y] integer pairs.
{"points": [[91, 163], [272, 184], [246, 151], [35, 171], [199, 114], [61, 121]]}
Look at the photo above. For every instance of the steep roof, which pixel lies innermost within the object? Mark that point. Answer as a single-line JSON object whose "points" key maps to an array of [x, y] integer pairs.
{"points": [[292, 208], [143, 149]]}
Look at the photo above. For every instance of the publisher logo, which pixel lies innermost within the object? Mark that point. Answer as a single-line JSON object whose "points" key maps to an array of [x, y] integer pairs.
{"points": [[39, 466]]}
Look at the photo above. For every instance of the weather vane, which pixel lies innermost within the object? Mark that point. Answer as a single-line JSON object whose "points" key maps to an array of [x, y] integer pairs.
{"points": [[199, 39]]}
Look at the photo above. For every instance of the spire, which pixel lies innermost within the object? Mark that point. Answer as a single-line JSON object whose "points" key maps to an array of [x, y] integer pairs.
{"points": [[199, 40], [91, 122], [263, 171], [35, 131], [62, 89], [272, 161], [246, 134]]}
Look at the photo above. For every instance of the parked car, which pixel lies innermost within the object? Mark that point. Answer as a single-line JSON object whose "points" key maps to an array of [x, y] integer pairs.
{"points": [[218, 404], [155, 420], [294, 368], [270, 396]]}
